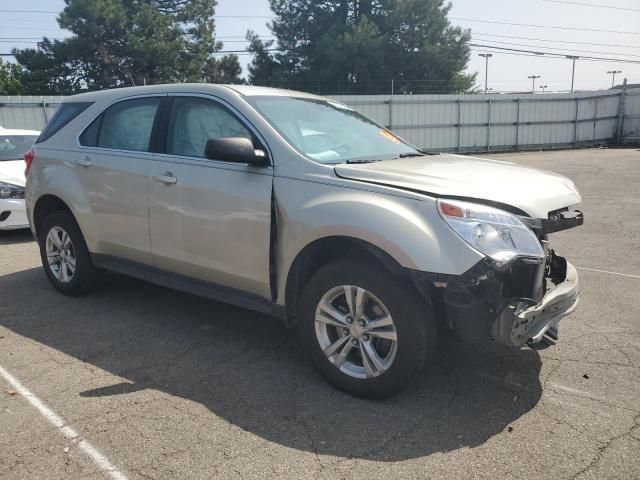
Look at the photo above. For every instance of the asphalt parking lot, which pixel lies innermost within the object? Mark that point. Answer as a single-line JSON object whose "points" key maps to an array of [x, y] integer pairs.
{"points": [[167, 385]]}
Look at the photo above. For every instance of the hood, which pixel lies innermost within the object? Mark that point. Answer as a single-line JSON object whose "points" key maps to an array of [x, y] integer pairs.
{"points": [[535, 192], [12, 172]]}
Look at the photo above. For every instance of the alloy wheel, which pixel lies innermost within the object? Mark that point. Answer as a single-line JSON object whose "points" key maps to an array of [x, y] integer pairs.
{"points": [[356, 331], [61, 255]]}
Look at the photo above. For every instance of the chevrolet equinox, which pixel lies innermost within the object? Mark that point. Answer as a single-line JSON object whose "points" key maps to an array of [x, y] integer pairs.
{"points": [[298, 206]]}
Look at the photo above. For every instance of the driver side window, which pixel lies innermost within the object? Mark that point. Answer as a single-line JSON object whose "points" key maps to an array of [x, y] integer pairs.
{"points": [[194, 121]]}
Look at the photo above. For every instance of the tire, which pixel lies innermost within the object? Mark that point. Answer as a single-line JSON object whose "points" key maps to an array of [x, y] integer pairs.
{"points": [[412, 322], [85, 275]]}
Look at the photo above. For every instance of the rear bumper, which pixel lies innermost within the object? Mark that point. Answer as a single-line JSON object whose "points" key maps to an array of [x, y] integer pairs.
{"points": [[13, 215]]}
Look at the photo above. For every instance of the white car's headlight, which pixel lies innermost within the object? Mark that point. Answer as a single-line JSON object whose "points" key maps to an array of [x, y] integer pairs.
{"points": [[497, 234], [8, 190]]}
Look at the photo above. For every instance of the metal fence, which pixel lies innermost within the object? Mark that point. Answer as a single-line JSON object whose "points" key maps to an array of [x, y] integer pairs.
{"points": [[27, 112], [482, 123], [460, 123]]}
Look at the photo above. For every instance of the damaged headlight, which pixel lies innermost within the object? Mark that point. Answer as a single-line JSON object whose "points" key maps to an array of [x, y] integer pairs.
{"points": [[7, 190], [496, 233]]}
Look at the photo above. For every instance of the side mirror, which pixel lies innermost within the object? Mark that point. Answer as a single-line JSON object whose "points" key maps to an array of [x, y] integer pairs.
{"points": [[234, 149]]}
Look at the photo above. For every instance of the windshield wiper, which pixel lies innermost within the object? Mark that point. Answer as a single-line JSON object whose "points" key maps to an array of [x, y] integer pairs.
{"points": [[410, 154], [362, 161]]}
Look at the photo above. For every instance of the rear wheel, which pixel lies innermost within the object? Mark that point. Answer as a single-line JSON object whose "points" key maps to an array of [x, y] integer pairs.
{"points": [[64, 254], [368, 333]]}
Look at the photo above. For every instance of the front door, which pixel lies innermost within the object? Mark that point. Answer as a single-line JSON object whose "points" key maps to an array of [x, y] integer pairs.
{"points": [[209, 219]]}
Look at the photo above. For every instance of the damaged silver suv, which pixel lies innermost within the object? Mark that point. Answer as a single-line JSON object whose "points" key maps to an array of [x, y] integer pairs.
{"points": [[300, 207]]}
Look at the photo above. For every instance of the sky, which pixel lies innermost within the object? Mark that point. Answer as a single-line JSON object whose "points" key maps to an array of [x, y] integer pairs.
{"points": [[507, 72]]}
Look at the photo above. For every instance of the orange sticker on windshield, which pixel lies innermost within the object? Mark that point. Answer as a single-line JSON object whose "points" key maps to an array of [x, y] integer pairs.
{"points": [[390, 136]]}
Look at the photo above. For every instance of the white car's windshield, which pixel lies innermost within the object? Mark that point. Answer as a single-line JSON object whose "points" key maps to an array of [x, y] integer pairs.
{"points": [[329, 132], [13, 147]]}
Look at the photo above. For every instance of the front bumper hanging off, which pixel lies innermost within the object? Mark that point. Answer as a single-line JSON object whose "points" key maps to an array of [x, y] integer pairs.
{"points": [[513, 305], [531, 324]]}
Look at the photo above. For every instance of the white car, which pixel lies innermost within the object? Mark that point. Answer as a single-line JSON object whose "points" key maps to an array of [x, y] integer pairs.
{"points": [[13, 145]]}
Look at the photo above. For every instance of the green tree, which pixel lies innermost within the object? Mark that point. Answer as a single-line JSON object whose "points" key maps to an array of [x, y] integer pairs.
{"points": [[129, 42], [360, 45], [263, 69], [10, 78]]}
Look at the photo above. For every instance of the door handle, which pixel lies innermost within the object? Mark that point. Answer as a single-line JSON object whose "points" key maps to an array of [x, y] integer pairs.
{"points": [[167, 178], [85, 162]]}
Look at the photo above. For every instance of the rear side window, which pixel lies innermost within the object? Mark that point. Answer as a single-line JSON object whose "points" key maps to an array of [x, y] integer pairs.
{"points": [[65, 113], [125, 126], [89, 137]]}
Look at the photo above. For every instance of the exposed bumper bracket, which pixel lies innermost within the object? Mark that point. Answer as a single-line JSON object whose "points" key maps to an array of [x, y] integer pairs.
{"points": [[531, 324]]}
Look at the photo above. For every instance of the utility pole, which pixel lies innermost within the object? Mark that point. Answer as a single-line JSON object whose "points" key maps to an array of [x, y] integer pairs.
{"points": [[486, 56], [533, 81], [543, 87], [573, 58], [613, 76]]}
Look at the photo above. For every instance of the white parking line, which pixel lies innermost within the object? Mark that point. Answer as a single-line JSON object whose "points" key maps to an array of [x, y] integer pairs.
{"points": [[98, 458], [607, 271]]}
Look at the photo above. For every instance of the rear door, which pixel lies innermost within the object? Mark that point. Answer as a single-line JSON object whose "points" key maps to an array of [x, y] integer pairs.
{"points": [[209, 219], [113, 165]]}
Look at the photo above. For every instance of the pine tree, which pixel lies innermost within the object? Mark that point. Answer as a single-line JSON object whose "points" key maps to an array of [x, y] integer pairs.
{"points": [[358, 46], [128, 42]]}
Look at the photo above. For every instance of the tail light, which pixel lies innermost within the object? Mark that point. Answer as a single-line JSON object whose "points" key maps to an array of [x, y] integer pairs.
{"points": [[28, 160]]}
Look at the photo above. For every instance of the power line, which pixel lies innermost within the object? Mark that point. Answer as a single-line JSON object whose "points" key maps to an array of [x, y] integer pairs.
{"points": [[56, 13], [557, 48], [543, 26], [28, 11], [270, 37], [243, 16], [556, 41], [452, 18], [559, 55], [593, 5], [20, 38], [27, 28]]}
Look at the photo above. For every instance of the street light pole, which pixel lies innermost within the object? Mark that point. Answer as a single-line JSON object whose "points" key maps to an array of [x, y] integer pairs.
{"points": [[486, 56], [573, 58], [543, 87], [533, 81], [613, 76]]}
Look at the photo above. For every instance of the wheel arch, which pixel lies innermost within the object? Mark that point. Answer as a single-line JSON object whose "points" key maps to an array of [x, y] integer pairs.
{"points": [[44, 206], [325, 250]]}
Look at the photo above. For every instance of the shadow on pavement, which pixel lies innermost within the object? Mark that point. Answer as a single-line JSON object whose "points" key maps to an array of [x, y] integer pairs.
{"points": [[249, 370], [10, 237]]}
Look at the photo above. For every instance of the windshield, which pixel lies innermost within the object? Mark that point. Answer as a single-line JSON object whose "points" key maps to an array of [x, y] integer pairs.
{"points": [[329, 132], [13, 147]]}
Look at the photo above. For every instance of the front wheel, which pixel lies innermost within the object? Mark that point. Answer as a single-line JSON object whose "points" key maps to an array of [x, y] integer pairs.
{"points": [[368, 332]]}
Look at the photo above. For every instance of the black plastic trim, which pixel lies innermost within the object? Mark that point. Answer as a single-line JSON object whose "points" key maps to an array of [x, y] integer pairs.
{"points": [[158, 142], [186, 284], [560, 220]]}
